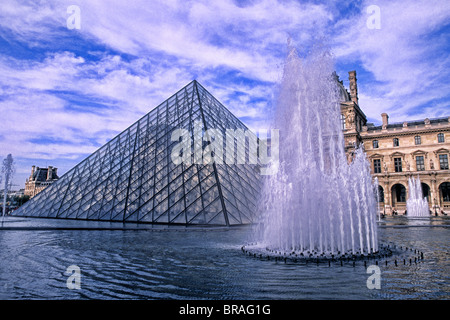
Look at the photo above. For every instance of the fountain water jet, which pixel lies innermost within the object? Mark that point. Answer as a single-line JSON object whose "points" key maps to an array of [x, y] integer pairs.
{"points": [[417, 204], [317, 205], [7, 171]]}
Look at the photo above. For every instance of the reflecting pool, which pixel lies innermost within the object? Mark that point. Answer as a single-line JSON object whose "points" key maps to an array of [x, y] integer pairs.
{"points": [[119, 261]]}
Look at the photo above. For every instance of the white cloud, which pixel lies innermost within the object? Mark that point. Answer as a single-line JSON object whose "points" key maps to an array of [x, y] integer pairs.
{"points": [[235, 49], [408, 62], [204, 34], [34, 108]]}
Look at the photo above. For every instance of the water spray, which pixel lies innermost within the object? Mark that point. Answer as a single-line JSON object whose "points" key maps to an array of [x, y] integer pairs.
{"points": [[7, 172], [317, 204]]}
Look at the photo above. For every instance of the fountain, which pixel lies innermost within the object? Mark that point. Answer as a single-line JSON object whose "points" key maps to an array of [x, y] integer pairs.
{"points": [[7, 171], [317, 205], [417, 204]]}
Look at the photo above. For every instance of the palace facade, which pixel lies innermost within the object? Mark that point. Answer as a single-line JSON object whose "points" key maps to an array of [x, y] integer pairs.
{"points": [[40, 178], [398, 151]]}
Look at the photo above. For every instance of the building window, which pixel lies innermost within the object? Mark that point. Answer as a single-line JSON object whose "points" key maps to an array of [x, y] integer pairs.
{"points": [[377, 166], [444, 189], [395, 142], [441, 137], [380, 194], [342, 122], [375, 144], [399, 193], [420, 163], [443, 161], [418, 140], [398, 164]]}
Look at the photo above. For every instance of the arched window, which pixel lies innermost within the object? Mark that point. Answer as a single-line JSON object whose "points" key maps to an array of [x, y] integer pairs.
{"points": [[426, 191], [444, 190], [399, 193], [380, 194]]}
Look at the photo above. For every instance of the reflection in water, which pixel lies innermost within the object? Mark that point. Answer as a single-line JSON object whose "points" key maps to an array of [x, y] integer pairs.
{"points": [[394, 221]]}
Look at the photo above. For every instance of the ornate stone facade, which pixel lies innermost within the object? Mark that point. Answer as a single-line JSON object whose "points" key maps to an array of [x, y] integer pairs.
{"points": [[39, 179], [398, 151]]}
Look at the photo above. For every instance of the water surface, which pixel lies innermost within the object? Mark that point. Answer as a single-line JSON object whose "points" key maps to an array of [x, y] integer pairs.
{"points": [[141, 262]]}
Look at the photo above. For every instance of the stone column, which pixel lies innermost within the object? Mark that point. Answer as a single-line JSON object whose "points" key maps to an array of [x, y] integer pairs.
{"points": [[387, 198], [435, 197]]}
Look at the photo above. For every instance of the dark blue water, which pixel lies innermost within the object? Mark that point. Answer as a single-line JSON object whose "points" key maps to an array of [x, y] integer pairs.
{"points": [[159, 263]]}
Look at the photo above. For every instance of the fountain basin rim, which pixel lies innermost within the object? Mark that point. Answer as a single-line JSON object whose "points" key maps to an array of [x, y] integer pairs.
{"points": [[260, 250]]}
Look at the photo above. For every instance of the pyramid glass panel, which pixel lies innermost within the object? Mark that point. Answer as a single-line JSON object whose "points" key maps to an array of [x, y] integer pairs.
{"points": [[172, 166]]}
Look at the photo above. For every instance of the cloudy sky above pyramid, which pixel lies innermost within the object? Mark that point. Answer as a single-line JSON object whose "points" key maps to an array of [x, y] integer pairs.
{"points": [[65, 92]]}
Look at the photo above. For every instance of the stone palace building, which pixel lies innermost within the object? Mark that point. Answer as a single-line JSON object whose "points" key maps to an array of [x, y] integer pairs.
{"points": [[398, 151], [40, 178]]}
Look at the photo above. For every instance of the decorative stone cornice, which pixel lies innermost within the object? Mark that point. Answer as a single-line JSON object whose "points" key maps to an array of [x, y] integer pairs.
{"points": [[380, 133], [441, 150], [420, 152], [376, 155]]}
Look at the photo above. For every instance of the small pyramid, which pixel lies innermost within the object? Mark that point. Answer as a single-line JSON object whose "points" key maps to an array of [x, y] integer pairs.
{"points": [[137, 176]]}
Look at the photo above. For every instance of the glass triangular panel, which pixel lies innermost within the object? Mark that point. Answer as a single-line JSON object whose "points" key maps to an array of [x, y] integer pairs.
{"points": [[218, 219]]}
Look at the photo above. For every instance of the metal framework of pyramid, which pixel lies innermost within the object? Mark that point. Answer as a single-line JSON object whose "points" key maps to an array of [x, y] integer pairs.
{"points": [[133, 178]]}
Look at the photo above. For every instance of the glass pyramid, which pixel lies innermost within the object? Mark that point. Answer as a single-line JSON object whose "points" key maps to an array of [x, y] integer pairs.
{"points": [[135, 178]]}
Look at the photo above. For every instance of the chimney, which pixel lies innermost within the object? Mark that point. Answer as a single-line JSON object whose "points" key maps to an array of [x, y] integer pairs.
{"points": [[49, 172], [353, 86], [33, 169], [385, 118]]}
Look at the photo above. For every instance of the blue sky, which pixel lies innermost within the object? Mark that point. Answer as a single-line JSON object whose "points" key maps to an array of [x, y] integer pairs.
{"points": [[65, 92]]}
